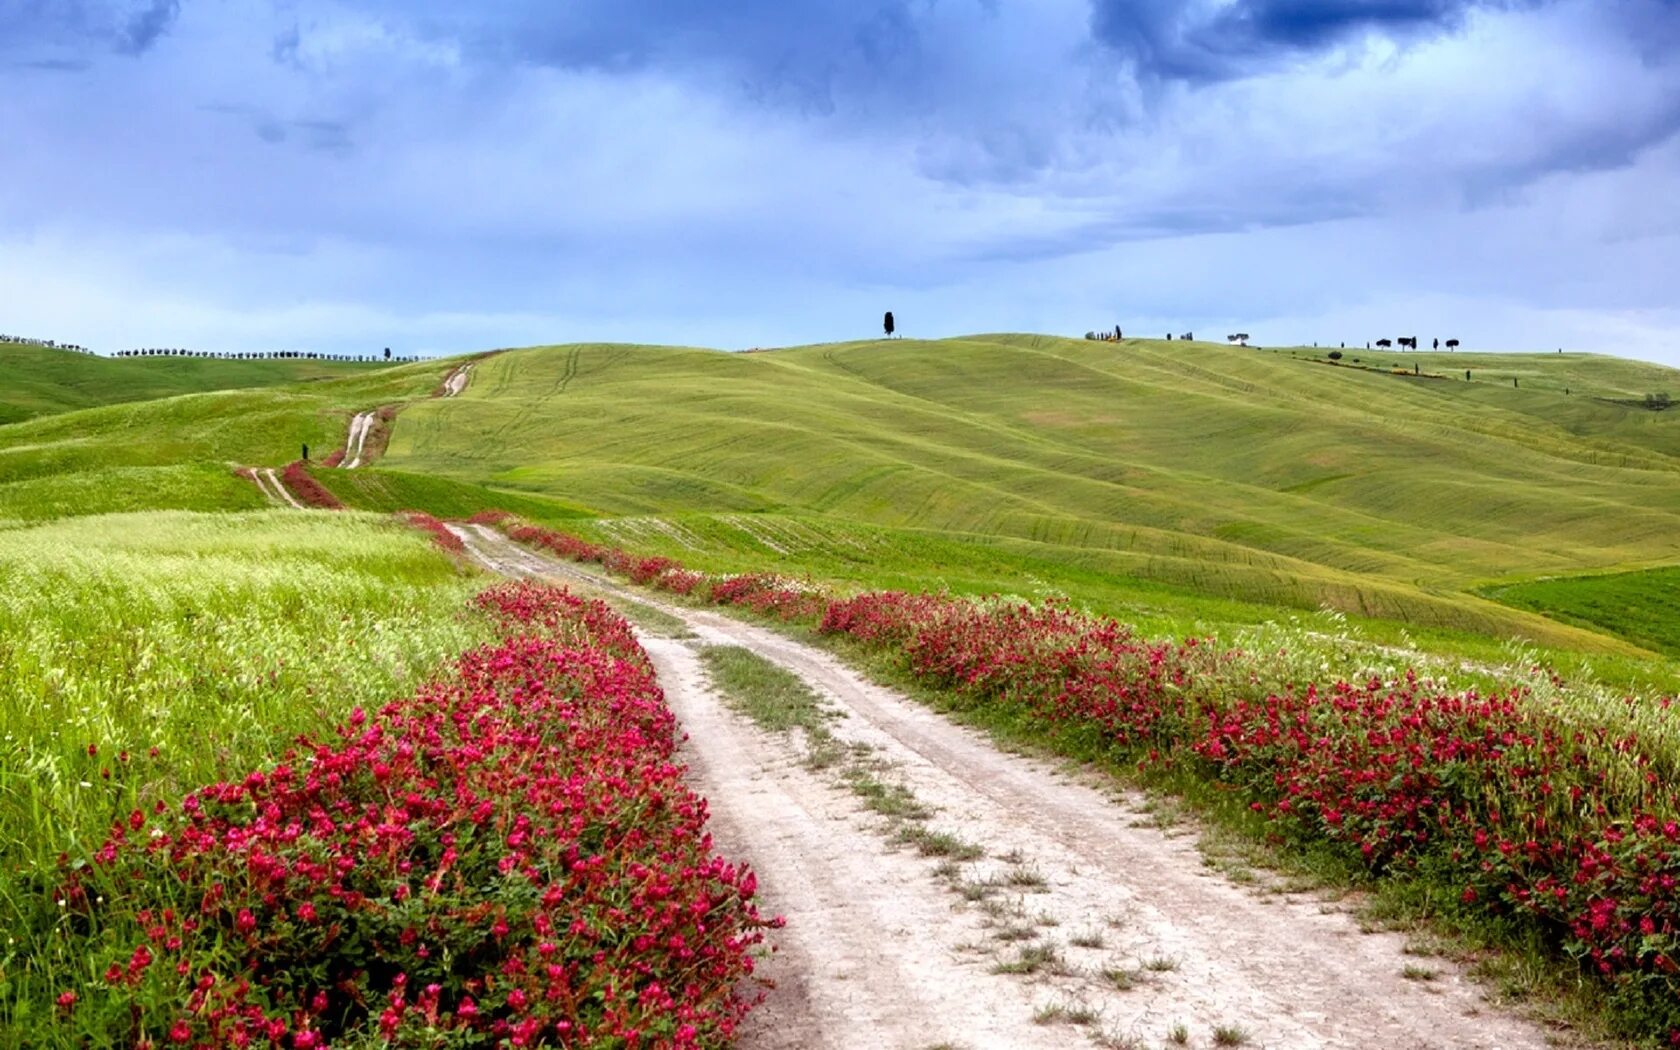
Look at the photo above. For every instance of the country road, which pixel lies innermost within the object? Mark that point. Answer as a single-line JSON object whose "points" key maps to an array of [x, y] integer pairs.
{"points": [[1126, 937]]}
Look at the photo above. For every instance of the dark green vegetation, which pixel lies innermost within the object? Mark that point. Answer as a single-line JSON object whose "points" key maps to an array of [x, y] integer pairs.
{"points": [[42, 381], [1643, 607]]}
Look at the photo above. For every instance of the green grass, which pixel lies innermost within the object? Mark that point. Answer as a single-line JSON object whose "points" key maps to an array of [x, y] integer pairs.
{"points": [[1036, 463], [392, 490], [143, 655], [772, 696], [1642, 607], [40, 381], [178, 453]]}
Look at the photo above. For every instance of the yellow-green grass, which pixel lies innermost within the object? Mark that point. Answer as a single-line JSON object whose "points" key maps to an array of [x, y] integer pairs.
{"points": [[213, 639], [41, 381], [393, 490], [1585, 375], [1233, 473], [179, 452], [189, 486]]}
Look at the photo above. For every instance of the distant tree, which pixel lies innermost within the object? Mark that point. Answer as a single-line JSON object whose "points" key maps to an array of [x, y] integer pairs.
{"points": [[887, 323], [1335, 355], [1437, 344], [1452, 344], [387, 353]]}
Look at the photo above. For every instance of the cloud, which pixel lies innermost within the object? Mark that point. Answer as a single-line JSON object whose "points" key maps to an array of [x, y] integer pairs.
{"points": [[145, 25], [764, 173], [126, 27], [1200, 41]]}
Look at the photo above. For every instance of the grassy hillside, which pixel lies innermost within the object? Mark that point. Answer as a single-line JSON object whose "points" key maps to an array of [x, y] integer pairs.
{"points": [[41, 381], [176, 453], [1166, 482], [1256, 476]]}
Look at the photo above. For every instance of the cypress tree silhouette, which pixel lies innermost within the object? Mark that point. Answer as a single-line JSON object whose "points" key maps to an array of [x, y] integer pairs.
{"points": [[887, 323]]}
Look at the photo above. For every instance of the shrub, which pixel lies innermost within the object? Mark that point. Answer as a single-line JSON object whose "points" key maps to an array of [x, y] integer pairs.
{"points": [[444, 538], [508, 857], [304, 486]]}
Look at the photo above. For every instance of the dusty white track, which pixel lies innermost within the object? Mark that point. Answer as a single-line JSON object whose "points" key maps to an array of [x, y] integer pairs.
{"points": [[271, 486], [353, 445], [880, 953]]}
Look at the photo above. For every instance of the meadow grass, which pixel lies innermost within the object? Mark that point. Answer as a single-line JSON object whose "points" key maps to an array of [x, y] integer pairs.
{"points": [[114, 490], [392, 490], [143, 655], [90, 449]]}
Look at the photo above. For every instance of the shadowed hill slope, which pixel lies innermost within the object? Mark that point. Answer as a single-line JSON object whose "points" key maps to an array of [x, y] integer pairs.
{"points": [[40, 381]]}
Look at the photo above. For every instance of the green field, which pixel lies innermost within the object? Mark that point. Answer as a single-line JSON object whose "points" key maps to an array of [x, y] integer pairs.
{"points": [[1643, 607], [142, 655], [1251, 476], [42, 381], [179, 452], [1325, 520], [1172, 483]]}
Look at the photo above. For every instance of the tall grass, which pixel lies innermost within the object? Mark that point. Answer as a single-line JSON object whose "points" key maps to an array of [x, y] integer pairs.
{"points": [[145, 654]]}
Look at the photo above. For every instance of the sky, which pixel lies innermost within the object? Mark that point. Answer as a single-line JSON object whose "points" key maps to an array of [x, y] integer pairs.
{"points": [[439, 177]]}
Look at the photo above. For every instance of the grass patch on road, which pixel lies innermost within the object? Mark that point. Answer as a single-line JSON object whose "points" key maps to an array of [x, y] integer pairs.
{"points": [[772, 696], [654, 621]]}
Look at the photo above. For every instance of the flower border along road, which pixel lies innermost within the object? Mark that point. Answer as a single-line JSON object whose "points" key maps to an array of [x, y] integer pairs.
{"points": [[508, 857], [1568, 828]]}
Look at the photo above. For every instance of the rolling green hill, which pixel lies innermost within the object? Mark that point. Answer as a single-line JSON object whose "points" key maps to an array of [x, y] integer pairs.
{"points": [[1250, 475], [41, 381], [177, 453], [1146, 478]]}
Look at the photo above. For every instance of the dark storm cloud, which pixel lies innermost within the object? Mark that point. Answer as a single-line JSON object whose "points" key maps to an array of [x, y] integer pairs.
{"points": [[802, 53], [127, 27], [1195, 41]]}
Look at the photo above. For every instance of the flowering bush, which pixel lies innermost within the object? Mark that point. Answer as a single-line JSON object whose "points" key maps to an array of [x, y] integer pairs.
{"points": [[445, 539], [304, 486], [509, 857], [1569, 825], [764, 593]]}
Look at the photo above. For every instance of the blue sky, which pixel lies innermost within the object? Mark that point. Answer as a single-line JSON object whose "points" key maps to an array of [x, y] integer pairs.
{"points": [[440, 177]]}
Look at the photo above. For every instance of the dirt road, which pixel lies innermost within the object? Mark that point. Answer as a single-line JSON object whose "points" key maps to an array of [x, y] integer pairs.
{"points": [[269, 482], [1119, 932], [457, 381], [360, 425]]}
